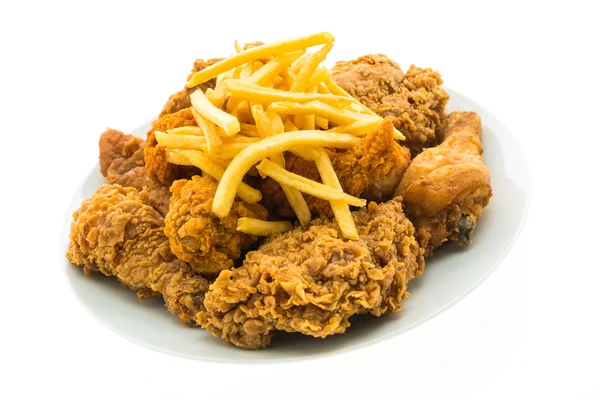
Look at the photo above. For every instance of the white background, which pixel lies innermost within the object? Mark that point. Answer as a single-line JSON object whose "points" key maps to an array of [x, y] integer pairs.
{"points": [[68, 70]]}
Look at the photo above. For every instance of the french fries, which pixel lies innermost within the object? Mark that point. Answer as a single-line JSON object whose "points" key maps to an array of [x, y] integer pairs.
{"points": [[257, 53], [269, 99], [269, 168], [257, 227]]}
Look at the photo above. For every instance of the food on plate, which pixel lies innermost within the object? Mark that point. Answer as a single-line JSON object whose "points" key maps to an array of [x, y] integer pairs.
{"points": [[446, 187], [272, 194], [415, 99], [117, 233], [312, 280], [197, 236]]}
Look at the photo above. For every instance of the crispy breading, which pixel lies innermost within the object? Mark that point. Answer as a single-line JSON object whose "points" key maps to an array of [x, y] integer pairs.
{"points": [[209, 243], [415, 100], [155, 155], [311, 280], [116, 232], [446, 187]]}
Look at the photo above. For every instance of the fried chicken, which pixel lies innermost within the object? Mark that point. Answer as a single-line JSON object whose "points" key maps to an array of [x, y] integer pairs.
{"points": [[446, 187], [311, 280], [414, 100], [116, 232], [122, 162], [155, 156], [372, 169], [180, 100], [209, 243]]}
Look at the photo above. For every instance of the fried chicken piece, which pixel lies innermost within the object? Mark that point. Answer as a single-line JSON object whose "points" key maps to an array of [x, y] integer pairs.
{"points": [[414, 100], [116, 232], [446, 187], [122, 162], [311, 280], [180, 100], [372, 169], [155, 156], [209, 243]]}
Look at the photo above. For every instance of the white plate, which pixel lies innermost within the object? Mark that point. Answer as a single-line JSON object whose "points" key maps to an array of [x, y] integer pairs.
{"points": [[449, 276]]}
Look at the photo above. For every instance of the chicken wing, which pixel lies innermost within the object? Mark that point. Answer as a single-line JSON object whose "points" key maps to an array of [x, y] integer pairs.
{"points": [[122, 162], [116, 232], [446, 187], [311, 280], [209, 243], [414, 100]]}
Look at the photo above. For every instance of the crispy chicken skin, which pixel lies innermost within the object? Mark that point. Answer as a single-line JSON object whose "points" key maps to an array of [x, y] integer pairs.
{"points": [[209, 243], [372, 169], [446, 187], [155, 155], [415, 100], [122, 162], [116, 232], [311, 280], [180, 100]]}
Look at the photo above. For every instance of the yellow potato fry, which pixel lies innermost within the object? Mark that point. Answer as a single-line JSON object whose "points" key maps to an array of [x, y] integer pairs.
{"points": [[258, 227], [322, 123], [289, 125], [276, 122], [252, 154], [318, 77], [261, 94], [334, 114], [341, 211], [267, 73], [227, 122], [179, 141], [238, 48], [305, 73], [213, 169], [175, 158], [269, 168], [247, 70], [263, 123], [305, 121], [227, 151], [294, 196], [224, 76], [257, 53], [249, 129], [307, 153], [358, 128], [186, 130], [214, 141]]}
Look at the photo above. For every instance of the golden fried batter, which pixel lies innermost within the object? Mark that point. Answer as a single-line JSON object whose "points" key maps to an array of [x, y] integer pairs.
{"points": [[155, 155], [446, 187], [209, 243], [117, 233], [414, 100], [311, 280]]}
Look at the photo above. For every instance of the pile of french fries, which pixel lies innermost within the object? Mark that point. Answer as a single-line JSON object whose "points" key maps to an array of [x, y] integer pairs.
{"points": [[270, 99]]}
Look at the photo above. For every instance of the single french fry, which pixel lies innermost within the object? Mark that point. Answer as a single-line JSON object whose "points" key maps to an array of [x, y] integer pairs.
{"points": [[276, 122], [305, 73], [213, 169], [358, 128], [245, 90], [334, 114], [257, 53], [341, 211], [263, 123], [179, 141], [249, 129], [269, 168], [214, 141], [227, 151], [252, 154], [318, 77], [293, 195], [289, 125], [258, 227], [186, 130], [227, 122], [238, 48], [322, 123]]}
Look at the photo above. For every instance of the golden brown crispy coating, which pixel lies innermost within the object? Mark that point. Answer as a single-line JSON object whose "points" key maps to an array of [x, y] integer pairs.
{"points": [[117, 233], [180, 100], [372, 169], [414, 100], [122, 162], [209, 243], [311, 280], [446, 187], [155, 155]]}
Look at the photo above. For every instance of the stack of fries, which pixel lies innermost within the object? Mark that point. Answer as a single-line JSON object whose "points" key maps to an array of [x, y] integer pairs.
{"points": [[270, 99]]}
